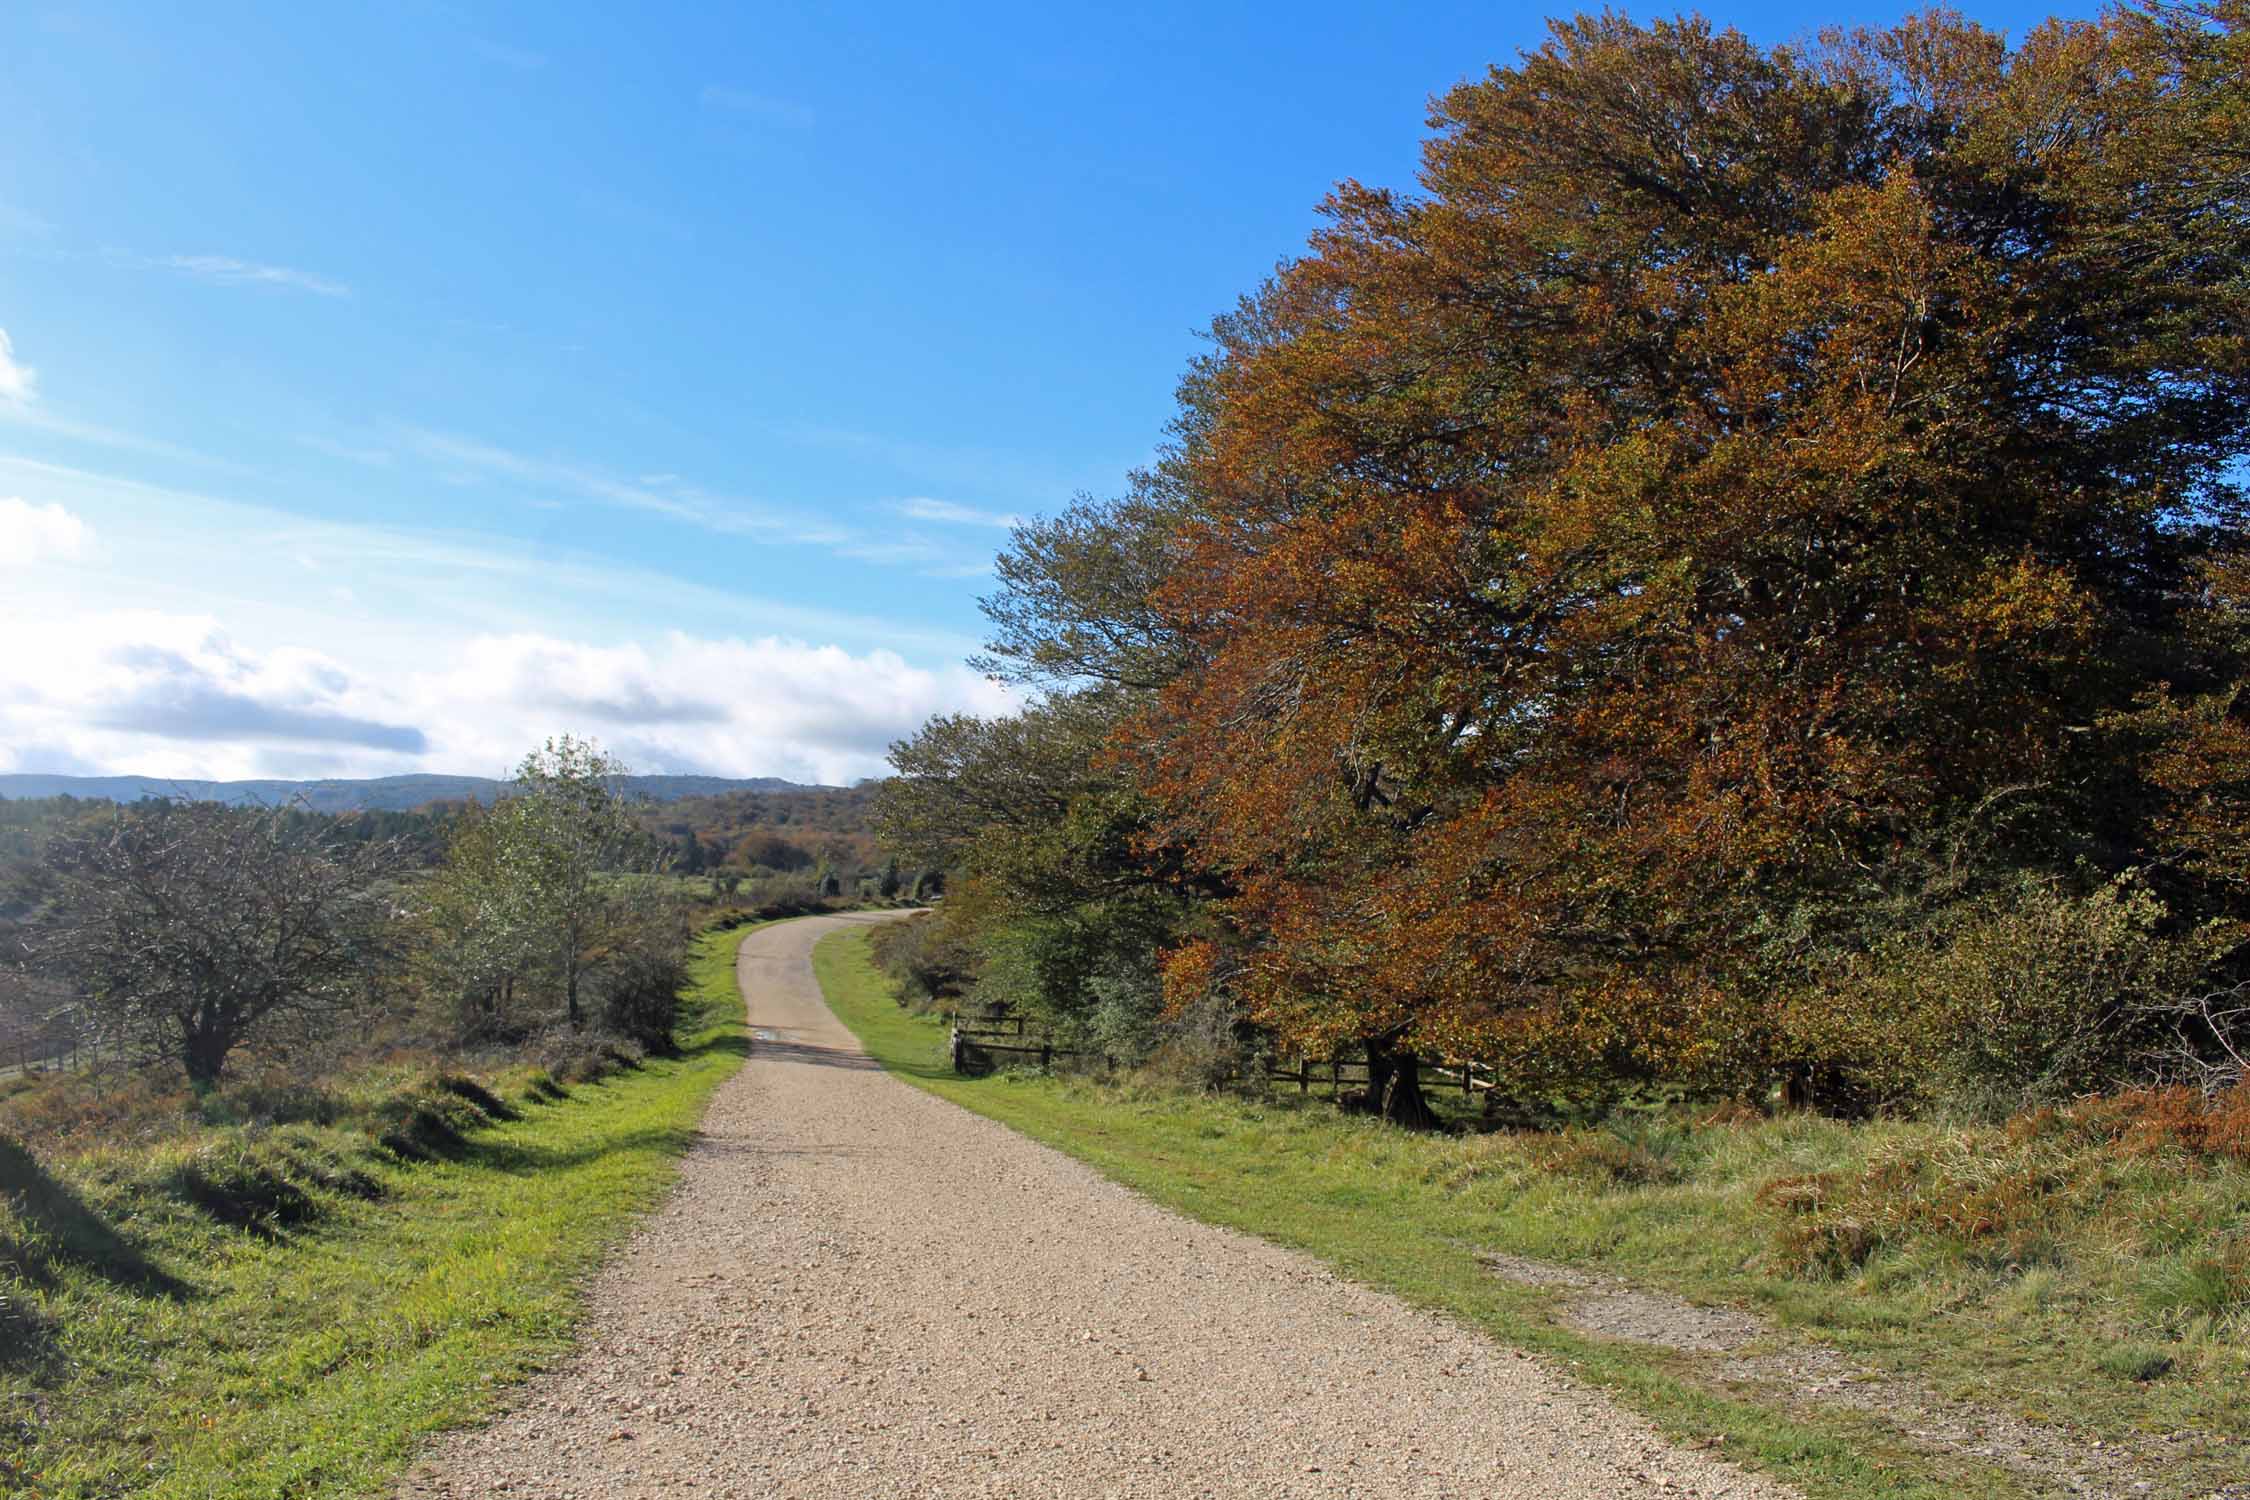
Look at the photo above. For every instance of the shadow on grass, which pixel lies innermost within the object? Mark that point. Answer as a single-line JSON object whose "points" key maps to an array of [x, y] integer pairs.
{"points": [[62, 1230], [519, 1156], [27, 1341], [726, 1044]]}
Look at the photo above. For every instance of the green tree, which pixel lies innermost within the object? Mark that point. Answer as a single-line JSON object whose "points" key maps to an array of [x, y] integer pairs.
{"points": [[562, 832]]}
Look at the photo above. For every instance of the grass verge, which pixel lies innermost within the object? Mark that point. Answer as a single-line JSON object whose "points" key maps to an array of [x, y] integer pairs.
{"points": [[2079, 1324], [288, 1312]]}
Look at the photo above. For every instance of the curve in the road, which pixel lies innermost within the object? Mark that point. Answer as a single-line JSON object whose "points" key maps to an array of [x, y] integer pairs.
{"points": [[860, 1290]]}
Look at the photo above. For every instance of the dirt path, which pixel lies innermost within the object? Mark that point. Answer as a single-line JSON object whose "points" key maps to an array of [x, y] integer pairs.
{"points": [[862, 1290]]}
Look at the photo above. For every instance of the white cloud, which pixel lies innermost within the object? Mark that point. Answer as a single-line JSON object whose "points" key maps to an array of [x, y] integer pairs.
{"points": [[36, 533], [922, 508], [19, 384], [266, 644], [177, 695], [192, 552], [725, 706]]}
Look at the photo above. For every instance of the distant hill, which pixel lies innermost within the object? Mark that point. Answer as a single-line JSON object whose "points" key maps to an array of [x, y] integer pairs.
{"points": [[376, 794]]}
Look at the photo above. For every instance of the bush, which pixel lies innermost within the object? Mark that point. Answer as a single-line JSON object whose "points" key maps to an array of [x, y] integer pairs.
{"points": [[2033, 996], [1205, 1046], [574, 1057], [639, 998], [926, 963], [785, 896]]}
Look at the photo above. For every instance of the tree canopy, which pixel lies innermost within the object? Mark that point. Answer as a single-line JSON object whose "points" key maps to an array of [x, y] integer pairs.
{"points": [[1748, 503]]}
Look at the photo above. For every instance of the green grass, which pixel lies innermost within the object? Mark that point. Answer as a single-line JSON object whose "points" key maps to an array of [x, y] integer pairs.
{"points": [[2106, 1312], [289, 1312]]}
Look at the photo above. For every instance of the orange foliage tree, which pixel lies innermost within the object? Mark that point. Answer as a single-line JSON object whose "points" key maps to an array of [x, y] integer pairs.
{"points": [[1744, 487]]}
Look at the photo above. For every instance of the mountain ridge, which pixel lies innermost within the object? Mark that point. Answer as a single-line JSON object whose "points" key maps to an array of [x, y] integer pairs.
{"points": [[360, 794]]}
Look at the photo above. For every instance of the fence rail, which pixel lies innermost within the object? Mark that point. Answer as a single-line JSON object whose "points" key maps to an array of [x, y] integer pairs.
{"points": [[48, 1054], [1471, 1078], [976, 1036]]}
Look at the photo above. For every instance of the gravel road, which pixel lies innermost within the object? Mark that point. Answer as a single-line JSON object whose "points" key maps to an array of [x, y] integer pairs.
{"points": [[860, 1290]]}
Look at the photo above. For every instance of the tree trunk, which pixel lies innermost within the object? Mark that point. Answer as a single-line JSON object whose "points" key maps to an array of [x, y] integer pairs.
{"points": [[204, 1055], [1394, 1086]]}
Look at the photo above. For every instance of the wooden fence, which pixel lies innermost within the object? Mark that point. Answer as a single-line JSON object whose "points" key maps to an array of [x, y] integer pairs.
{"points": [[1336, 1074], [976, 1037], [25, 1052]]}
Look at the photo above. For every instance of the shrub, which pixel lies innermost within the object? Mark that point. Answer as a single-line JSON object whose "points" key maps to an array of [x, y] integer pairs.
{"points": [[927, 964], [2031, 996], [639, 997], [785, 896], [572, 1057]]}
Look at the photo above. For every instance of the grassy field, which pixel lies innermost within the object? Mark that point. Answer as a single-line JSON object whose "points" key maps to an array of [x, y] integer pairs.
{"points": [[288, 1312], [2102, 1295]]}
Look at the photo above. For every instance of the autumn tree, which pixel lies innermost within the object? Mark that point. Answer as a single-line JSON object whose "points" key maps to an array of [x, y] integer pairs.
{"points": [[1743, 490]]}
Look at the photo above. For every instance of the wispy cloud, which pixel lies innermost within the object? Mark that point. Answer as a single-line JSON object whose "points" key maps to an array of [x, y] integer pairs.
{"points": [[19, 383], [466, 460], [488, 459], [522, 59], [747, 104], [1012, 476], [228, 271], [182, 549], [373, 457], [15, 219], [922, 508], [20, 404]]}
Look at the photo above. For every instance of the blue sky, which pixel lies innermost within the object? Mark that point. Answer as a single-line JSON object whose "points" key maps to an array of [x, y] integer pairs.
{"points": [[385, 387]]}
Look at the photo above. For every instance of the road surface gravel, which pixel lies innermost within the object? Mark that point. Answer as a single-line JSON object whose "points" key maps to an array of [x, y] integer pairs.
{"points": [[860, 1289]]}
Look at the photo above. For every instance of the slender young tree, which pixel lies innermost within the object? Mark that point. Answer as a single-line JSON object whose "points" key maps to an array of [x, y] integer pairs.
{"points": [[563, 831]]}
